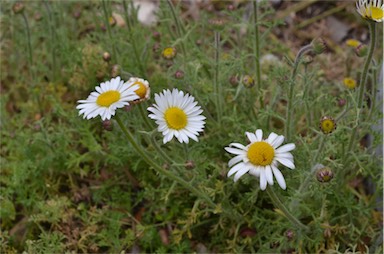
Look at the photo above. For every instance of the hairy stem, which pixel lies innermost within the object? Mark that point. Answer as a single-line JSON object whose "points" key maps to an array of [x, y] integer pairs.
{"points": [[277, 202], [256, 47], [160, 169], [363, 80], [111, 38]]}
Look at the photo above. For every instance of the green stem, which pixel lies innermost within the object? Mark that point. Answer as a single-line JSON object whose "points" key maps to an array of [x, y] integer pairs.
{"points": [[289, 113], [145, 116], [277, 202], [305, 99], [112, 40], [363, 80], [217, 86], [374, 94], [30, 58], [178, 25], [53, 39], [133, 41], [256, 47], [158, 168]]}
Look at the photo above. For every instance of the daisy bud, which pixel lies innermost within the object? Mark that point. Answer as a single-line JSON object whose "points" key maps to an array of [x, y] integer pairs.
{"points": [[307, 59], [216, 23], [324, 175], [115, 70], [77, 14], [349, 83], [234, 80], [327, 233], [107, 125], [341, 102], [289, 234], [231, 7], [106, 56], [190, 165], [112, 21], [18, 7], [179, 74], [156, 47], [327, 124], [38, 16], [352, 43], [199, 42], [248, 81], [247, 232], [169, 53], [361, 50], [156, 35], [318, 46]]}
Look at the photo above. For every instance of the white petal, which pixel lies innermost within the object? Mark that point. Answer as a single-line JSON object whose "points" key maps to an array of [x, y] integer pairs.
{"points": [[279, 177], [278, 141], [238, 145], [268, 174], [240, 173], [235, 160], [271, 138], [252, 137], [286, 162], [286, 148], [235, 169], [234, 150], [259, 134], [263, 180]]}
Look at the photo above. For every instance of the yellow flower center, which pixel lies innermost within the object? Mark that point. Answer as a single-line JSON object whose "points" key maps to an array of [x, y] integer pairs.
{"points": [[108, 98], [327, 125], [261, 153], [374, 12], [349, 83], [175, 118], [142, 90]]}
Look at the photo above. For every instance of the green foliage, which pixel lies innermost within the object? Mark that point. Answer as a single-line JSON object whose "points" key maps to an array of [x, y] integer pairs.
{"points": [[69, 185]]}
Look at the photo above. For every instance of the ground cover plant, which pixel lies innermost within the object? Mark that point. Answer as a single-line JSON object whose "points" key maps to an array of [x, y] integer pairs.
{"points": [[191, 126]]}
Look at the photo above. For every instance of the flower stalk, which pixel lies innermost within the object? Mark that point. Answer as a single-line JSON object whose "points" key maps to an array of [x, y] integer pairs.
{"points": [[363, 80], [106, 16], [256, 46], [217, 86], [277, 202], [158, 168]]}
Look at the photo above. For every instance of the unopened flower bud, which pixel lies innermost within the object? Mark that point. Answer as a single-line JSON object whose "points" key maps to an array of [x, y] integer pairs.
{"points": [[341, 102], [199, 42], [216, 23], [190, 165], [324, 175], [327, 124], [361, 50], [76, 14], [169, 53], [307, 59], [38, 16], [289, 234], [106, 56], [318, 46], [156, 35], [234, 80], [112, 21], [115, 71], [352, 43], [18, 7], [248, 81], [107, 125], [231, 7], [179, 74]]}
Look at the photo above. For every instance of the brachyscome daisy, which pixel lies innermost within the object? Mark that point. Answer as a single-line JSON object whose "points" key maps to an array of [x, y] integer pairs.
{"points": [[261, 158], [177, 116], [108, 97], [371, 9], [143, 91]]}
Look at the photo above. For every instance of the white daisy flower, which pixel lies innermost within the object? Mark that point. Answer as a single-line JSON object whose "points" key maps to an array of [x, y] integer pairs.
{"points": [[109, 96], [261, 158], [177, 115], [143, 91], [371, 9]]}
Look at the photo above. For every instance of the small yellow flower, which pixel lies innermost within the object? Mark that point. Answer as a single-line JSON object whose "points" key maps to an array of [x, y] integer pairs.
{"points": [[327, 124], [352, 43], [350, 83], [371, 9], [169, 53]]}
